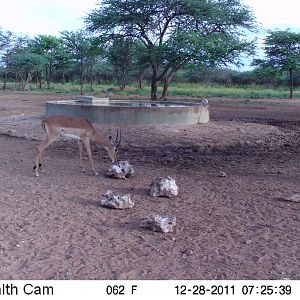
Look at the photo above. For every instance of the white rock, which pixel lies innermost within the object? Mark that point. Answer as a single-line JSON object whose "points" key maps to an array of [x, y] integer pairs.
{"points": [[112, 200], [120, 170], [159, 223], [292, 198], [164, 187], [115, 172], [222, 174]]}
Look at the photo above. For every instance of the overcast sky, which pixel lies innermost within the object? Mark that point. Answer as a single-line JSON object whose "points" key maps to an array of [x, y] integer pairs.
{"points": [[280, 14], [35, 17]]}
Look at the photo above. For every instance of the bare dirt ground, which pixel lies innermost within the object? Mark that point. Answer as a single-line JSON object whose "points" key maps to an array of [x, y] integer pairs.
{"points": [[232, 227]]}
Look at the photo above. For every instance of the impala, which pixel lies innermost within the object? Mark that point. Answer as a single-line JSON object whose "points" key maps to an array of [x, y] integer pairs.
{"points": [[79, 129]]}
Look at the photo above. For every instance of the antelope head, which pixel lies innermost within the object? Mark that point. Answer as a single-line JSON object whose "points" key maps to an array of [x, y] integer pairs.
{"points": [[113, 149]]}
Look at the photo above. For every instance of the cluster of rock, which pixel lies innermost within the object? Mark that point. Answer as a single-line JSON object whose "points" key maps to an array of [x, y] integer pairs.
{"points": [[160, 187]]}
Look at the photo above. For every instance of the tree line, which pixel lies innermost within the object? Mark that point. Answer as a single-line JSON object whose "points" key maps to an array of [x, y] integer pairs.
{"points": [[156, 40]]}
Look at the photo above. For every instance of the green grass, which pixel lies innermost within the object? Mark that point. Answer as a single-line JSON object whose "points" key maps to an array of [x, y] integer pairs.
{"points": [[246, 92], [213, 91], [175, 89]]}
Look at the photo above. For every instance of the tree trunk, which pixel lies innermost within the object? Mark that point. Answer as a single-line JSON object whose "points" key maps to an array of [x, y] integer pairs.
{"points": [[63, 77], [4, 81], [48, 76], [291, 81], [21, 82], [167, 81], [81, 76], [154, 83], [28, 80], [49, 79], [140, 79], [91, 79], [91, 84], [123, 80], [117, 72], [39, 80]]}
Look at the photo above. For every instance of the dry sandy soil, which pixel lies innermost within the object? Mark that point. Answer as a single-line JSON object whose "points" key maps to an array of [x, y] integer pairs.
{"points": [[234, 227]]}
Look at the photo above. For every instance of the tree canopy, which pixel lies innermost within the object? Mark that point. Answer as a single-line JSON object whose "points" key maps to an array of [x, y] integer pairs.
{"points": [[6, 38], [82, 48], [176, 32], [52, 49], [282, 50]]}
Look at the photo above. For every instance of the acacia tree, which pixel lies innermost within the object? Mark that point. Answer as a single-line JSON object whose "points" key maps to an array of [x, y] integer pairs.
{"points": [[25, 65], [51, 48], [18, 45], [82, 48], [121, 63], [6, 39], [282, 50], [140, 63], [175, 32]]}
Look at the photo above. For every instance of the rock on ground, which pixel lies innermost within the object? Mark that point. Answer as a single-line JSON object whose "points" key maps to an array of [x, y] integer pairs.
{"points": [[164, 187], [112, 200], [159, 223], [120, 170]]}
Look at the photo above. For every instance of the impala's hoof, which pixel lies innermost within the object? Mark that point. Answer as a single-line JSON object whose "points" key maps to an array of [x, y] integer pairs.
{"points": [[96, 174]]}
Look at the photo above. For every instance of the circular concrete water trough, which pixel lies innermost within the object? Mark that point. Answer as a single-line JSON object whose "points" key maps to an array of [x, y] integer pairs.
{"points": [[104, 111]]}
